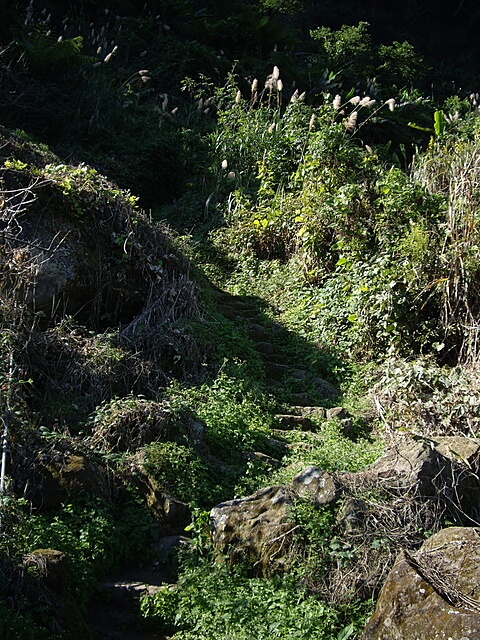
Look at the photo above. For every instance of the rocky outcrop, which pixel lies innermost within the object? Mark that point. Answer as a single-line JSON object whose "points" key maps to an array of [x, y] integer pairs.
{"points": [[401, 494], [434, 593], [258, 528], [411, 466], [53, 474], [72, 243], [446, 469], [173, 516], [261, 528]]}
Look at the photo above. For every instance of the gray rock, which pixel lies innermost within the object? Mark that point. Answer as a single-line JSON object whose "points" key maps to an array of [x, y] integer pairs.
{"points": [[421, 469], [317, 485], [265, 347], [258, 528], [325, 389], [413, 466], [320, 412], [434, 594], [460, 448], [337, 412]]}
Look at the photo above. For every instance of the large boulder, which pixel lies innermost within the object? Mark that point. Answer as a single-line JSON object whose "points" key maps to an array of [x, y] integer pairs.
{"points": [[446, 469], [50, 476], [433, 594], [258, 528], [411, 466], [261, 528]]}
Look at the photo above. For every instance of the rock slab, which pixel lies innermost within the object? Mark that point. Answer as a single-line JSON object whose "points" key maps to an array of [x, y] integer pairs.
{"points": [[433, 594]]}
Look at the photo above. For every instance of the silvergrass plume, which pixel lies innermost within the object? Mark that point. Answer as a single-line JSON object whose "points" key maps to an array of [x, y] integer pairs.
{"points": [[391, 103], [366, 102], [351, 121]]}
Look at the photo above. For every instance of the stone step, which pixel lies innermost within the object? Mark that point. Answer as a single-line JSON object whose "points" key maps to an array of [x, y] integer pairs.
{"points": [[299, 374], [128, 591], [257, 332], [228, 311], [275, 370], [273, 384], [301, 400], [240, 307], [236, 301], [266, 459], [265, 348], [299, 423], [274, 358], [282, 433], [319, 412]]}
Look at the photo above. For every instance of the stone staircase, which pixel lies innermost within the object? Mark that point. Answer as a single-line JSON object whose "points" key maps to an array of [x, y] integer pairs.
{"points": [[114, 613], [270, 340]]}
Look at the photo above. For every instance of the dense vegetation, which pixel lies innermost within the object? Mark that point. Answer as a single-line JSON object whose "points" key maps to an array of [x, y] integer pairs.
{"points": [[318, 162]]}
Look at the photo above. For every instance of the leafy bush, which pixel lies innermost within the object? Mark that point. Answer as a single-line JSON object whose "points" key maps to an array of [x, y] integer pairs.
{"points": [[329, 449], [18, 624], [235, 414], [227, 604], [181, 472], [420, 396], [94, 536]]}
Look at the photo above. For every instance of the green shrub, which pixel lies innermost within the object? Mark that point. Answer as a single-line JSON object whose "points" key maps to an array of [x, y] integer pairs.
{"points": [[180, 472], [94, 536], [221, 603], [18, 624]]}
